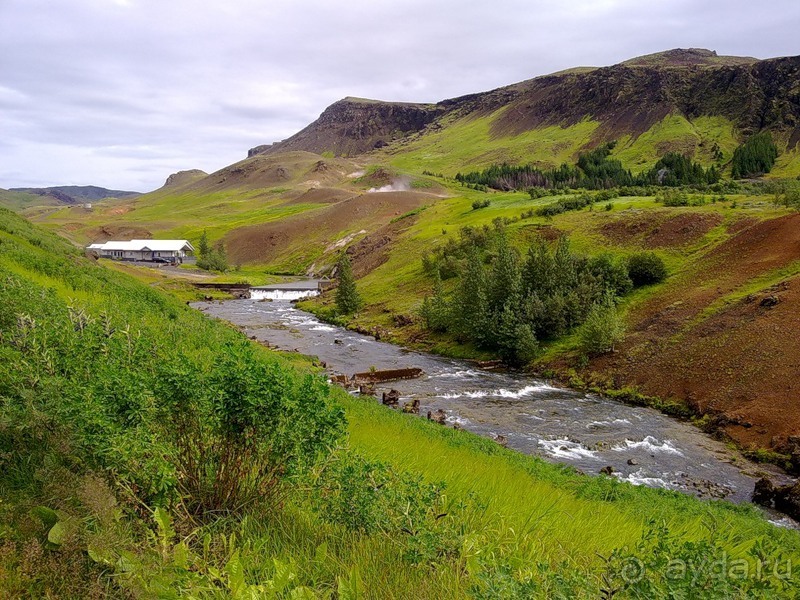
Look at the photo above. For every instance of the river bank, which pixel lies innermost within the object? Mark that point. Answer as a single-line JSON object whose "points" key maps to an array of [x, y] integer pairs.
{"points": [[587, 431]]}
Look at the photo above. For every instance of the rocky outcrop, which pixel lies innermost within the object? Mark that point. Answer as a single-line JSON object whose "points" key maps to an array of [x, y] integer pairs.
{"points": [[184, 177], [785, 498], [353, 126]]}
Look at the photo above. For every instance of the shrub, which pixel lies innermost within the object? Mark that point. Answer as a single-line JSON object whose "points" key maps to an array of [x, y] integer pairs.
{"points": [[645, 268], [481, 204], [672, 197]]}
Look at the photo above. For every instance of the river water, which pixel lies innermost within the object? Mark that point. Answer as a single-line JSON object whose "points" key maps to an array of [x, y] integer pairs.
{"points": [[587, 431]]}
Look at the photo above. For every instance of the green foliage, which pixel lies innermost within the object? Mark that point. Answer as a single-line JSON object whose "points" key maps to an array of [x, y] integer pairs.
{"points": [[243, 428], [697, 569], [481, 204], [645, 268], [211, 259], [510, 305], [672, 198], [435, 310], [755, 157], [372, 497], [595, 170], [675, 169], [603, 328], [348, 300]]}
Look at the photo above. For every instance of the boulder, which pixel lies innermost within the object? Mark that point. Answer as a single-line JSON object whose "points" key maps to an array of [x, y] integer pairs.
{"points": [[411, 407], [391, 399]]}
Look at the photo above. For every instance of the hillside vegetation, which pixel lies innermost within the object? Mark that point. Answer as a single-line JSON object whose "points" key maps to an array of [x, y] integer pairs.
{"points": [[148, 451]]}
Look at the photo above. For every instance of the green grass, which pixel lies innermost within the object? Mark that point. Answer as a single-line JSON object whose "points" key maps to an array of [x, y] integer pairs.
{"points": [[468, 144], [677, 134], [506, 510]]}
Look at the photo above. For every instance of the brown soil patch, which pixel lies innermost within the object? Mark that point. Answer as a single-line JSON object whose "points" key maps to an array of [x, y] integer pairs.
{"points": [[105, 233], [322, 196], [548, 233], [743, 361], [657, 230], [264, 243], [741, 225], [371, 252]]}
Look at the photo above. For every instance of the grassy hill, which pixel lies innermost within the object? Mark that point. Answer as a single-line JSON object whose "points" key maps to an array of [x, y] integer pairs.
{"points": [[110, 390]]}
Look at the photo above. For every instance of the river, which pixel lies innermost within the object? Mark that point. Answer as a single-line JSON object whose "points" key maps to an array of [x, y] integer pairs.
{"points": [[587, 431]]}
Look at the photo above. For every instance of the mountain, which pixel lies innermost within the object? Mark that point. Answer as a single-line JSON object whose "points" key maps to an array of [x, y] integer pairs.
{"points": [[76, 194], [683, 100]]}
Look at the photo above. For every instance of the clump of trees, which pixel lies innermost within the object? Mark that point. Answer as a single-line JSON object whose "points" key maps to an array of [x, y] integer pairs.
{"points": [[211, 258], [507, 303], [348, 300], [755, 157], [594, 170]]}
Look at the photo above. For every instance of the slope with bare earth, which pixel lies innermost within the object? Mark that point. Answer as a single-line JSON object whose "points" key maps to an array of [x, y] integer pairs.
{"points": [[300, 240], [706, 341]]}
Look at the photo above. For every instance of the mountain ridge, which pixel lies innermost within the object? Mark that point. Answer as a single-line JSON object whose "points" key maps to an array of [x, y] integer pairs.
{"points": [[626, 99]]}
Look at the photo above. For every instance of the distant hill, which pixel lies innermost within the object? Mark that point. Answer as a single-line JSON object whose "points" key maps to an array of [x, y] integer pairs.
{"points": [[76, 194]]}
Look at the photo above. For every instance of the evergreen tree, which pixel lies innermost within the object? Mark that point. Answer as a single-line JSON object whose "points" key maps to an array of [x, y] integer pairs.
{"points": [[603, 328], [470, 304], [202, 245], [211, 259], [348, 299], [755, 157], [435, 309], [504, 281]]}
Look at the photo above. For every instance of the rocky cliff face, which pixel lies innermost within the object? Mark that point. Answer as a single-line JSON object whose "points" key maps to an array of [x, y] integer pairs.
{"points": [[628, 98], [353, 126]]}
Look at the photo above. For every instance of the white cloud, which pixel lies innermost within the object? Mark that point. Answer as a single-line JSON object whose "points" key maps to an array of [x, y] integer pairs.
{"points": [[123, 92]]}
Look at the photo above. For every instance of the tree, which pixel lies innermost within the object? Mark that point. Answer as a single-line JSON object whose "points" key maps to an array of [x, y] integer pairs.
{"points": [[470, 310], [202, 246], [348, 299], [211, 259], [435, 309], [755, 157], [603, 328]]}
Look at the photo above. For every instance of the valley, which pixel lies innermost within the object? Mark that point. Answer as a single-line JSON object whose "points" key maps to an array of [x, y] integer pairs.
{"points": [[166, 441]]}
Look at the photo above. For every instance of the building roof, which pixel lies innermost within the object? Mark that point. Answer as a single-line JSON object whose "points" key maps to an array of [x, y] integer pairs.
{"points": [[144, 245]]}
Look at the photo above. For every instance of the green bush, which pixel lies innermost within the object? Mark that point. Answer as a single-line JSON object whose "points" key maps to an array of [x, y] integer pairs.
{"points": [[645, 268]]}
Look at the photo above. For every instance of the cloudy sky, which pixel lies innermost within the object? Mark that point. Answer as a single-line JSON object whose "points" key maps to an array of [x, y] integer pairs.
{"points": [[121, 93]]}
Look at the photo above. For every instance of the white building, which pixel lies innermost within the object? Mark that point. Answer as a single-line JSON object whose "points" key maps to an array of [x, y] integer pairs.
{"points": [[133, 250]]}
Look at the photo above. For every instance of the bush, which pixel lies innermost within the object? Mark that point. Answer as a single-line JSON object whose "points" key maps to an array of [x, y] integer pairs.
{"points": [[481, 204], [372, 497], [672, 197], [645, 268]]}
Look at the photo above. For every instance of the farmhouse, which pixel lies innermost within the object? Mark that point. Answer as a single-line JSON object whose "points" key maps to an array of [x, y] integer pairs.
{"points": [[148, 250]]}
